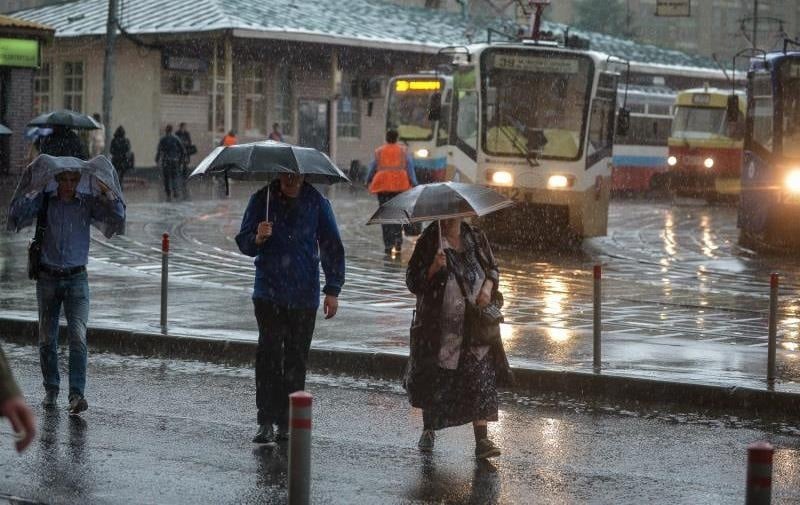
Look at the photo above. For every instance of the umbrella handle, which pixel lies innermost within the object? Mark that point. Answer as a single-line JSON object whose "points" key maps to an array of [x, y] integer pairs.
{"points": [[439, 225], [267, 213]]}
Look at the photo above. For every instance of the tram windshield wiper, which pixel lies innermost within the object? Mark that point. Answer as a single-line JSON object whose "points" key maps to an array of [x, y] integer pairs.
{"points": [[520, 127]]}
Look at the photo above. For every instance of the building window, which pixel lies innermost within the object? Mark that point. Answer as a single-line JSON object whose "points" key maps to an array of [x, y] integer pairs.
{"points": [[255, 114], [348, 113], [283, 99], [73, 85], [218, 91], [41, 89]]}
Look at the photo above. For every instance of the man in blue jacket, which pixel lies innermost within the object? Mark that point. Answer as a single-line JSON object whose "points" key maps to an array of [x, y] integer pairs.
{"points": [[299, 233]]}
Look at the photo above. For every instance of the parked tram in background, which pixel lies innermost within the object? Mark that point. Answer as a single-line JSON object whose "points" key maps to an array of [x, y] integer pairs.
{"points": [[769, 208], [704, 160], [407, 107], [536, 122], [640, 156]]}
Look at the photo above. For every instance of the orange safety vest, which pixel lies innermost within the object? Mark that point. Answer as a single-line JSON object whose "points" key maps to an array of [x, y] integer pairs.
{"points": [[391, 171], [228, 140]]}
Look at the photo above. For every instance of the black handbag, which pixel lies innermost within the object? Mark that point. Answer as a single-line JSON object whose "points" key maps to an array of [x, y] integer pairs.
{"points": [[35, 247]]}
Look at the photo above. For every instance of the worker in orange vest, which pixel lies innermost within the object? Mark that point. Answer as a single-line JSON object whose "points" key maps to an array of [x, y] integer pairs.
{"points": [[229, 139], [391, 173]]}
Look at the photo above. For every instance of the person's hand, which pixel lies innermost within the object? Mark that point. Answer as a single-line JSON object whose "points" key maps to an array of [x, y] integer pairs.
{"points": [[330, 306], [439, 262], [484, 295], [104, 189], [263, 232], [21, 418]]}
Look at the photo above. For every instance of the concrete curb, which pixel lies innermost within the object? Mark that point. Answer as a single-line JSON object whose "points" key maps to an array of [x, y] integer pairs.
{"points": [[581, 385]]}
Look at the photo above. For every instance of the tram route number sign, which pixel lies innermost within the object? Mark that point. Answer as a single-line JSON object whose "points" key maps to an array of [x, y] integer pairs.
{"points": [[674, 8], [529, 63]]}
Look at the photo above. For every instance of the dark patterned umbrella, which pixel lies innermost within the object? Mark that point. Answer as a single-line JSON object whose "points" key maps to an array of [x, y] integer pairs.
{"points": [[71, 119]]}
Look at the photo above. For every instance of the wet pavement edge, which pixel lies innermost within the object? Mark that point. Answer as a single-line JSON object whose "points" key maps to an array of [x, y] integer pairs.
{"points": [[585, 386]]}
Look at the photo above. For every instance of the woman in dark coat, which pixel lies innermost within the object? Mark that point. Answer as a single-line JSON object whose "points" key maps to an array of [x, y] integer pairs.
{"points": [[452, 382], [121, 155]]}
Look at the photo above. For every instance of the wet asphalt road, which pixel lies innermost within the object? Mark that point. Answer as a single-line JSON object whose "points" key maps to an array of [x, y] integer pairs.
{"points": [[681, 301], [178, 432]]}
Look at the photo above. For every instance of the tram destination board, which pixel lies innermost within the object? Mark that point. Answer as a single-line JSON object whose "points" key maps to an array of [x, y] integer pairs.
{"points": [[674, 8], [529, 63]]}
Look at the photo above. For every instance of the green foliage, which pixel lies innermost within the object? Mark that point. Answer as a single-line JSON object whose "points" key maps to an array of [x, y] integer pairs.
{"points": [[603, 16]]}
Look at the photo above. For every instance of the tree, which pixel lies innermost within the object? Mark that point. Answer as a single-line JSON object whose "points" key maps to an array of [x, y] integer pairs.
{"points": [[603, 16]]}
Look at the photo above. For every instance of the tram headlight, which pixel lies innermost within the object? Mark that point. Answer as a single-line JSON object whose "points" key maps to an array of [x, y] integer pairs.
{"points": [[708, 162], [558, 182], [672, 161], [500, 177], [792, 181], [421, 153]]}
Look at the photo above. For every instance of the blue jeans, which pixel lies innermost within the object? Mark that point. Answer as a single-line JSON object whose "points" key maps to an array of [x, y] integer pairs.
{"points": [[73, 293]]}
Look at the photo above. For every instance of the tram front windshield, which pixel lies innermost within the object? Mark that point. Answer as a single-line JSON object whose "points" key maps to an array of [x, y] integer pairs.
{"points": [[535, 103], [698, 123], [408, 110]]}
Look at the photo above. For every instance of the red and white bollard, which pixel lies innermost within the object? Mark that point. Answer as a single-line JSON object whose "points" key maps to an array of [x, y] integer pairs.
{"points": [[596, 316], [759, 473], [300, 448], [164, 277]]}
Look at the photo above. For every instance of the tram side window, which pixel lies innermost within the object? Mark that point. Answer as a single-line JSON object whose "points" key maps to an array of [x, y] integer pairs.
{"points": [[791, 118], [762, 112], [467, 121], [443, 135], [646, 131]]}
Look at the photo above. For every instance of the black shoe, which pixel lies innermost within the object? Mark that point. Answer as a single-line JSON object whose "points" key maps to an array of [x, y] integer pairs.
{"points": [[77, 404], [283, 433], [50, 399], [265, 434]]}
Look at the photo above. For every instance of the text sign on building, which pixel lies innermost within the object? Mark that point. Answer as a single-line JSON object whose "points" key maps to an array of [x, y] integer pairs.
{"points": [[19, 53], [674, 8], [535, 63]]}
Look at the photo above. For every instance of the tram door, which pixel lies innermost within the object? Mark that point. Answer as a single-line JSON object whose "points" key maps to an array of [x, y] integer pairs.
{"points": [[314, 129]]}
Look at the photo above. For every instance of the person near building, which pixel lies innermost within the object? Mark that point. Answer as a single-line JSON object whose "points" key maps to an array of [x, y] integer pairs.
{"points": [[189, 149], [62, 278], [169, 155], [391, 173], [62, 141], [229, 139], [121, 154], [301, 233], [275, 134], [97, 138], [14, 408]]}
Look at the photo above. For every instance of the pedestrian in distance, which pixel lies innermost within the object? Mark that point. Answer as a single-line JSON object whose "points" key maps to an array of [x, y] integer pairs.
{"points": [[169, 156], [14, 408], [62, 141], [190, 149], [121, 154], [391, 173], [289, 241], [229, 139], [275, 134], [62, 278], [97, 138], [451, 380]]}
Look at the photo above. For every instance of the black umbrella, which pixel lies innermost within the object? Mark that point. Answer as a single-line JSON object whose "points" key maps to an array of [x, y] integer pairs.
{"points": [[268, 158], [5, 130], [441, 200], [68, 118]]}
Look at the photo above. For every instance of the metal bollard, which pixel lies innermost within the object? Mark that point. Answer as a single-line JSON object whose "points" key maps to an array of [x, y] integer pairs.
{"points": [[164, 277], [596, 313], [300, 448], [772, 339], [759, 473]]}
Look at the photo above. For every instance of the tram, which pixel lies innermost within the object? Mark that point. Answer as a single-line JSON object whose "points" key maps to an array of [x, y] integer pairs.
{"points": [[769, 206], [704, 160], [409, 98], [535, 121], [640, 156]]}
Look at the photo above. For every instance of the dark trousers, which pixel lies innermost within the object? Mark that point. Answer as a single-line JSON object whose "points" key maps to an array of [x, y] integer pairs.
{"points": [[284, 338], [170, 169], [392, 233]]}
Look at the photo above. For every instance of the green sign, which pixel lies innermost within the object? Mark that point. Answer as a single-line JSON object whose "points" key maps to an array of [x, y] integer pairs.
{"points": [[19, 53]]}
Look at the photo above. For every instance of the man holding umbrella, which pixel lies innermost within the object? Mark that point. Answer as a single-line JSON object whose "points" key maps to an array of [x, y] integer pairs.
{"points": [[63, 141], [65, 196]]}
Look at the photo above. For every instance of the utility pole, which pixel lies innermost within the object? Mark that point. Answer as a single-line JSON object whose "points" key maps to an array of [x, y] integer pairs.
{"points": [[755, 23], [108, 71]]}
